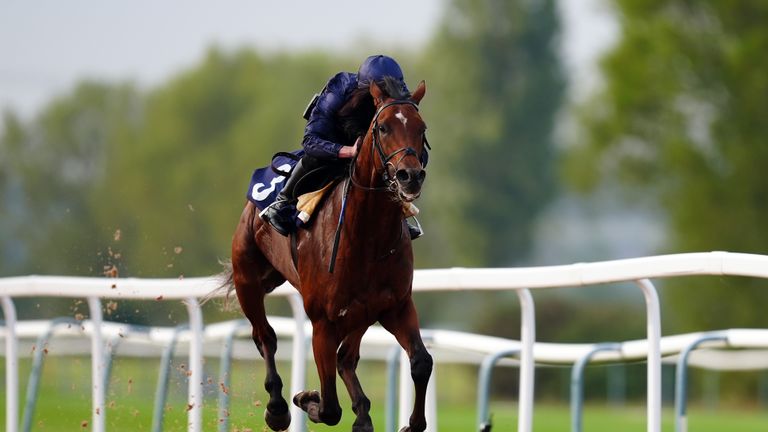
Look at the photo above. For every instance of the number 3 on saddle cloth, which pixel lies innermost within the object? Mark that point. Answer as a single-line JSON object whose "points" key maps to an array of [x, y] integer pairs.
{"points": [[267, 182]]}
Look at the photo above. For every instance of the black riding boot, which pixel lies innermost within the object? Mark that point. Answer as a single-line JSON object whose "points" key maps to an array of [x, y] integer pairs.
{"points": [[280, 214]]}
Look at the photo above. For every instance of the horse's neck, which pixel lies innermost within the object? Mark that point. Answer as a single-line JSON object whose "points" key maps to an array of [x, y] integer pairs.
{"points": [[372, 212], [373, 203]]}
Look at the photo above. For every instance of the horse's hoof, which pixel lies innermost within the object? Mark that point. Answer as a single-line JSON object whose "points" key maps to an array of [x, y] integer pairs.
{"points": [[279, 422], [303, 399]]}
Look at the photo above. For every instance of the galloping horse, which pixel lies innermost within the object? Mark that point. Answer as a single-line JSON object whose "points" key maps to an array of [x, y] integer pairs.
{"points": [[372, 281]]}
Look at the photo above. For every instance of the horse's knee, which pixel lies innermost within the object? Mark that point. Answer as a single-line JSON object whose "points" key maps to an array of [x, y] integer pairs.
{"points": [[346, 363], [265, 340], [421, 367]]}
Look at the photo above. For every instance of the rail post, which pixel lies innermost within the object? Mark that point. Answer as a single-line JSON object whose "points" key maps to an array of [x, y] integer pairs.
{"points": [[225, 372], [681, 378], [484, 386], [653, 329], [299, 362], [195, 371], [38, 358], [11, 366], [161, 390], [527, 360], [577, 383], [97, 366]]}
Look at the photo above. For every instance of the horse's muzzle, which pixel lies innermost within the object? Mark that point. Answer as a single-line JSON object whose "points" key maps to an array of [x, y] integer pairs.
{"points": [[409, 181]]}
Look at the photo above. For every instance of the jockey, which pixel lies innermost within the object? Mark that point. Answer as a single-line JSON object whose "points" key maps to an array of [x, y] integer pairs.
{"points": [[322, 135]]}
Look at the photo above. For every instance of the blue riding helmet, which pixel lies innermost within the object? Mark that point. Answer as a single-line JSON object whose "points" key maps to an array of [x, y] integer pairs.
{"points": [[376, 67]]}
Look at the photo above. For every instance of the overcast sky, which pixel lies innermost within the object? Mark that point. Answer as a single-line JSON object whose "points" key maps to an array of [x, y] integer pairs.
{"points": [[48, 45]]}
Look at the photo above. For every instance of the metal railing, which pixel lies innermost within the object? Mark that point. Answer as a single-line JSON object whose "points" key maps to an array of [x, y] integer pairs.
{"points": [[521, 280]]}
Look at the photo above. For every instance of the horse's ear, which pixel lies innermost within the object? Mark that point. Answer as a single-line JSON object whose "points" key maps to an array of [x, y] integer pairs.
{"points": [[419, 92], [377, 93]]}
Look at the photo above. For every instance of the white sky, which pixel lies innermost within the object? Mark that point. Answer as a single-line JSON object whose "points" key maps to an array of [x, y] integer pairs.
{"points": [[48, 45]]}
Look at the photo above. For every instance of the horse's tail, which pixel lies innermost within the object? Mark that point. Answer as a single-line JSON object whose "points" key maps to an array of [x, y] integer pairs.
{"points": [[226, 284]]}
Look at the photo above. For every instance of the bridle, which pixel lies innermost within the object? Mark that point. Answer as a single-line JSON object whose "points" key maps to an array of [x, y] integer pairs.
{"points": [[390, 183], [386, 160]]}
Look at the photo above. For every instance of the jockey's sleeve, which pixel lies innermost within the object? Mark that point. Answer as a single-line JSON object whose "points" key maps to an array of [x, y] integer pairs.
{"points": [[320, 132]]}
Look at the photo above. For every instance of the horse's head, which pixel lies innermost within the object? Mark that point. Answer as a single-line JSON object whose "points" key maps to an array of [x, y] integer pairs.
{"points": [[398, 137]]}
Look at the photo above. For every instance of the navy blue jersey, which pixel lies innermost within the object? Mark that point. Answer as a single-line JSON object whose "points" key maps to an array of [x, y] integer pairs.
{"points": [[322, 136]]}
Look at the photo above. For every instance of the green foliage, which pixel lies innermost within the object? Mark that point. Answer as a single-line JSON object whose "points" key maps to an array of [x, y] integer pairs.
{"points": [[681, 118], [49, 169], [494, 87], [178, 188], [151, 183], [112, 179]]}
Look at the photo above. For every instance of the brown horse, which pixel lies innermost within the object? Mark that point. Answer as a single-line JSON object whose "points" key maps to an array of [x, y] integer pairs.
{"points": [[373, 273]]}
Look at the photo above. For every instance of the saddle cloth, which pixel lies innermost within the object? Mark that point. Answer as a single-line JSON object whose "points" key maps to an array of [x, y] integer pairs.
{"points": [[266, 184]]}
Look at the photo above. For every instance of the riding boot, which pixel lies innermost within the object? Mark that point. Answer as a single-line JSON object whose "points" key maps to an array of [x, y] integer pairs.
{"points": [[280, 214]]}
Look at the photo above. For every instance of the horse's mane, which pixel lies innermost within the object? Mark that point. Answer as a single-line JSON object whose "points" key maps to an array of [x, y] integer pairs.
{"points": [[356, 114]]}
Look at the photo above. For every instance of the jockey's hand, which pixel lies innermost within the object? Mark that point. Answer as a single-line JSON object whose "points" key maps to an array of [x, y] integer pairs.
{"points": [[348, 152]]}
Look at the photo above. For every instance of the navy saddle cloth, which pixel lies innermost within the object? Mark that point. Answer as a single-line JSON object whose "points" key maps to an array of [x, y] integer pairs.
{"points": [[266, 182]]}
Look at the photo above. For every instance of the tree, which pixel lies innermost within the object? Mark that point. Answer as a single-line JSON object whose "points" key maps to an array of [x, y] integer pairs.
{"points": [[681, 119], [495, 86], [50, 168], [177, 189], [150, 181]]}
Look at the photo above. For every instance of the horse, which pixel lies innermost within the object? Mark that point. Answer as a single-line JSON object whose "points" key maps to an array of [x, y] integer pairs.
{"points": [[372, 280]]}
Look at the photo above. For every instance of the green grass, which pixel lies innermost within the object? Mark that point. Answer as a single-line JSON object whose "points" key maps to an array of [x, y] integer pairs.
{"points": [[64, 403], [66, 414]]}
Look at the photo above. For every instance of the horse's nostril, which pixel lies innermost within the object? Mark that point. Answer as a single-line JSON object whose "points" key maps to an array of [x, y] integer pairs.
{"points": [[402, 175], [422, 175]]}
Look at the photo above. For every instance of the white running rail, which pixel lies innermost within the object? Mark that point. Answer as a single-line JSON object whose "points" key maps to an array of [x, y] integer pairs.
{"points": [[640, 270]]}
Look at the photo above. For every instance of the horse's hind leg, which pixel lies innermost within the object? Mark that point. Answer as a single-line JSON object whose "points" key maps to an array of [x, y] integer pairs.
{"points": [[253, 276], [404, 325], [348, 357]]}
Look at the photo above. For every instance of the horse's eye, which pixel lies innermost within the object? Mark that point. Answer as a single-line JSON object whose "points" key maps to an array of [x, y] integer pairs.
{"points": [[383, 129]]}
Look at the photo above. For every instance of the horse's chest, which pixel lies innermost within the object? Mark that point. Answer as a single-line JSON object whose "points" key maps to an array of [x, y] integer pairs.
{"points": [[362, 301]]}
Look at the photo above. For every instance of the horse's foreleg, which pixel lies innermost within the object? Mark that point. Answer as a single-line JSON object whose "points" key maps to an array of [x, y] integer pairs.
{"points": [[322, 407], [348, 357], [404, 325]]}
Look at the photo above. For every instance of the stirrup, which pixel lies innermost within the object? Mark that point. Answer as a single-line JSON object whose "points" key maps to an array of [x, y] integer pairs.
{"points": [[263, 214], [415, 231]]}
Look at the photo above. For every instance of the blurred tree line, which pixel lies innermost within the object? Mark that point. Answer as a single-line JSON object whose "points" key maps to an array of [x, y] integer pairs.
{"points": [[115, 179], [152, 182], [681, 120]]}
